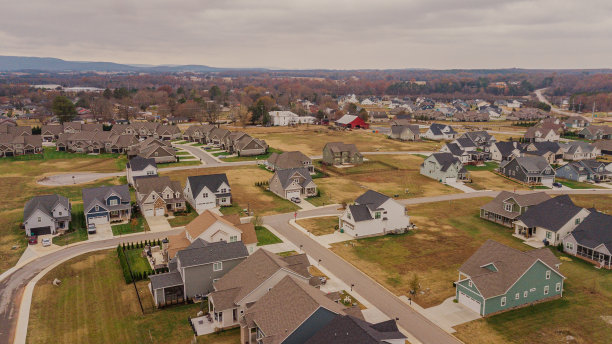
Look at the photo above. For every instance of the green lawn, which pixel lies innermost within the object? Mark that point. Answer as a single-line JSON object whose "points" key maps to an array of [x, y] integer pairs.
{"points": [[220, 153], [78, 230], [179, 163], [255, 157], [136, 224], [421, 156], [576, 185], [181, 142], [232, 209], [183, 153], [138, 263], [181, 219], [265, 237], [287, 253], [49, 153], [95, 305], [225, 337], [488, 166]]}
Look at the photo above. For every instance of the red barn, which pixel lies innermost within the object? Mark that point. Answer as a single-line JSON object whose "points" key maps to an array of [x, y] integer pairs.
{"points": [[352, 122]]}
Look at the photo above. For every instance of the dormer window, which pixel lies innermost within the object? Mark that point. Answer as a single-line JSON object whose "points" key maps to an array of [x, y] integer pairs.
{"points": [[97, 208], [507, 206], [377, 215]]}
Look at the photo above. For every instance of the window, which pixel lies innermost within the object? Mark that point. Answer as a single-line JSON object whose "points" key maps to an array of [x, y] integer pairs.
{"points": [[39, 219], [233, 238], [578, 221], [547, 274], [60, 213], [150, 173], [377, 215], [217, 266], [558, 287], [517, 296], [225, 190], [548, 235], [113, 202], [470, 283], [508, 207], [503, 301], [525, 293], [97, 208], [205, 195], [569, 245]]}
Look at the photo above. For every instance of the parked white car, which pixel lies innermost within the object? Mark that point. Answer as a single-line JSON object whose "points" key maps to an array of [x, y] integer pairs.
{"points": [[46, 242]]}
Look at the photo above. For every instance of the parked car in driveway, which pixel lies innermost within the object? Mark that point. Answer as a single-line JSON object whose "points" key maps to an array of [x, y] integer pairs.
{"points": [[33, 240], [46, 242], [91, 228], [557, 185], [295, 199]]}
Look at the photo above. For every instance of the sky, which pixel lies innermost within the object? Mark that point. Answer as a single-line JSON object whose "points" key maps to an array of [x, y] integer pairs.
{"points": [[331, 34]]}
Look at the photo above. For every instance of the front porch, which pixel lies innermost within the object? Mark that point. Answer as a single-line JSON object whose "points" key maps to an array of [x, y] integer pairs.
{"points": [[122, 215], [599, 259], [502, 220]]}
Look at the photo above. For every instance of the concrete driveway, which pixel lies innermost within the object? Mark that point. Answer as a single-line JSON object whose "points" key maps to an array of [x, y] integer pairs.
{"points": [[449, 314], [103, 232], [158, 223]]}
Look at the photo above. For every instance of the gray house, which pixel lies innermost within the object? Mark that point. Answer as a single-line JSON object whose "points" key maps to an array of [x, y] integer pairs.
{"points": [[107, 204], [405, 132], [508, 206], [596, 132], [46, 214], [287, 160], [584, 170], [140, 167], [294, 182], [338, 153], [591, 240], [443, 167], [531, 170], [194, 269]]}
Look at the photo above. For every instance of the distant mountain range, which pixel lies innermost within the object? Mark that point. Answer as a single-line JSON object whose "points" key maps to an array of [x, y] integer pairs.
{"points": [[50, 64]]}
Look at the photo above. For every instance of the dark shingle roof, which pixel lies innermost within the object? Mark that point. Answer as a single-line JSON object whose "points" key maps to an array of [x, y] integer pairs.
{"points": [[201, 252], [372, 199], [284, 176], [139, 163], [211, 181], [360, 212], [551, 214], [595, 230], [345, 329], [45, 203], [169, 279], [99, 194], [446, 160]]}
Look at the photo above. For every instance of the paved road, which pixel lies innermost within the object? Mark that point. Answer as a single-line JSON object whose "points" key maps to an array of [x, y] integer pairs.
{"points": [[12, 287], [420, 327], [553, 109]]}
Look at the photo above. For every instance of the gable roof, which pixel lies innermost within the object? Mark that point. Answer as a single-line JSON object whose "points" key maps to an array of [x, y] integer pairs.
{"points": [[253, 271], [44, 203], [436, 129], [372, 199], [532, 164], [201, 252], [338, 147], [594, 230], [201, 223], [506, 147], [145, 186], [288, 160], [139, 163], [346, 329], [285, 307], [360, 212], [523, 200], [211, 181], [446, 160], [510, 263], [91, 196], [551, 214], [284, 176]]}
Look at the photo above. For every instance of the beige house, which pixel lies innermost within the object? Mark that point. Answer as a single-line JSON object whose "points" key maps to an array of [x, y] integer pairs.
{"points": [[293, 183]]}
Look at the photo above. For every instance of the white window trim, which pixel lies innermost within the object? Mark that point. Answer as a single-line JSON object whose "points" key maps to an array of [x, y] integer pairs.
{"points": [[525, 294], [558, 286], [546, 289], [547, 274], [217, 266], [503, 301], [517, 296]]}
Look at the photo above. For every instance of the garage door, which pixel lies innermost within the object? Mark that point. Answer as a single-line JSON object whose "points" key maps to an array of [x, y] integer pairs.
{"points": [[40, 230], [469, 302], [451, 180], [295, 193], [149, 212], [547, 182], [159, 211], [98, 219]]}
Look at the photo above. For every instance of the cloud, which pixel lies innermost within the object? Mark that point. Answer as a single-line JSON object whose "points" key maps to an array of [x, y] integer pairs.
{"points": [[315, 34]]}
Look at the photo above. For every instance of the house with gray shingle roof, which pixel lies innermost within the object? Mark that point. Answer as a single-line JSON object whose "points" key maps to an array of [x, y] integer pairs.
{"points": [[439, 132], [293, 182], [347, 329], [408, 132], [583, 171], [591, 240], [152, 148], [498, 278], [291, 312], [208, 191], [596, 132], [194, 269], [107, 204], [287, 160], [158, 196], [507, 206], [443, 167], [46, 214], [504, 150], [374, 214], [249, 281], [338, 153], [550, 221], [140, 167], [531, 170]]}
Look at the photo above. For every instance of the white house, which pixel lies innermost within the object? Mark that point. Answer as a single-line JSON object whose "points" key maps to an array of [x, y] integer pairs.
{"points": [[283, 118], [440, 132], [208, 191], [46, 214], [373, 214], [140, 167]]}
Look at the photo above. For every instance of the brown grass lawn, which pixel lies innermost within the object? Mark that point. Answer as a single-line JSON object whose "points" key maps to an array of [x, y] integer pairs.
{"points": [[487, 180], [448, 233], [338, 189], [18, 185], [95, 305], [311, 139], [319, 225], [242, 180], [600, 202], [226, 337]]}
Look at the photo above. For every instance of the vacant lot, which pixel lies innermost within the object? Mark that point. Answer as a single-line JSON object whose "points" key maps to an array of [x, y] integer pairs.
{"points": [[487, 180], [95, 305], [311, 139], [319, 225], [406, 181], [242, 180], [602, 203], [577, 185]]}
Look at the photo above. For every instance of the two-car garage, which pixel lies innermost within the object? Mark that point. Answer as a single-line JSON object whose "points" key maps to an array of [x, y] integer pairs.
{"points": [[292, 193], [40, 231], [472, 304]]}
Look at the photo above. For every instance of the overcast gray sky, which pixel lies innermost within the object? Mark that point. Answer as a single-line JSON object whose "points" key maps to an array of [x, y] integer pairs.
{"points": [[314, 33]]}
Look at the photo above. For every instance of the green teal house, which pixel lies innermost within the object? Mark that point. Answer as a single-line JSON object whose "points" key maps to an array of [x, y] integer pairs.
{"points": [[498, 278]]}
